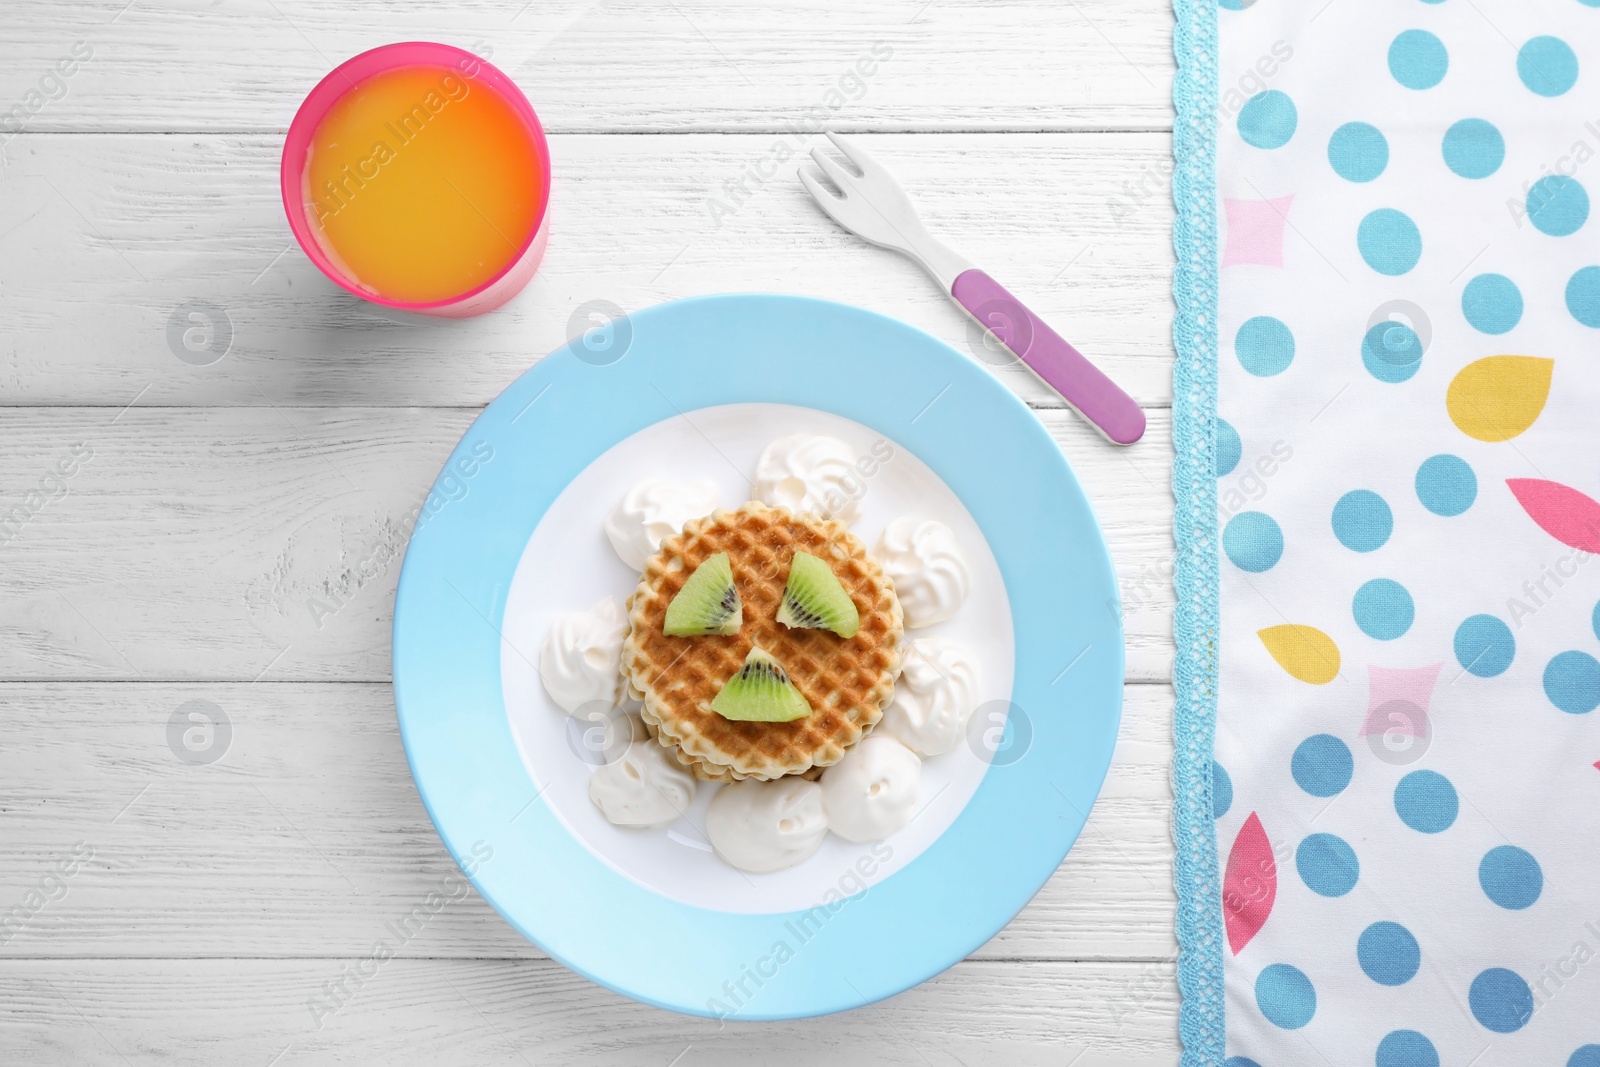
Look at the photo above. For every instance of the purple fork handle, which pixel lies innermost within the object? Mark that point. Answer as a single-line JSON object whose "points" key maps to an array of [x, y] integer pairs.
{"points": [[1062, 367]]}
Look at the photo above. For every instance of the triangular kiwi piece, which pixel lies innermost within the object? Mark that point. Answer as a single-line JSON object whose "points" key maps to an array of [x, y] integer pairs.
{"points": [[814, 599], [708, 603], [760, 692]]}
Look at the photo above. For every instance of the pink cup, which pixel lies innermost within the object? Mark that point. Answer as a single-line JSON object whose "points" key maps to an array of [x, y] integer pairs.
{"points": [[497, 290]]}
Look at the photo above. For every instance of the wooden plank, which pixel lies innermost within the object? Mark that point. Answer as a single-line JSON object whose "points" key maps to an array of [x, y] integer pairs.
{"points": [[471, 1012], [106, 240], [209, 543], [691, 64], [305, 834]]}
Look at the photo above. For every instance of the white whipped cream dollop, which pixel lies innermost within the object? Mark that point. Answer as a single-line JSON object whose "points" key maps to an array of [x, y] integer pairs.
{"points": [[644, 786], [934, 697], [654, 510], [811, 472], [766, 826], [923, 560], [581, 661], [872, 792]]}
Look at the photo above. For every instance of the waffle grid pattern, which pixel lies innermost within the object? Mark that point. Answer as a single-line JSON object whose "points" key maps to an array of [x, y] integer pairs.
{"points": [[847, 682]]}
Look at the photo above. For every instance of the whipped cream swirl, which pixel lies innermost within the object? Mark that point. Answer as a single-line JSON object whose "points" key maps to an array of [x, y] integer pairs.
{"points": [[644, 786], [923, 560], [766, 826], [811, 472], [581, 661], [872, 792], [654, 510], [934, 697]]}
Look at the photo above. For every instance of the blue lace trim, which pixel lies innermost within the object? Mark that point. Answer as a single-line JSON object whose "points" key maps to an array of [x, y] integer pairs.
{"points": [[1194, 489]]}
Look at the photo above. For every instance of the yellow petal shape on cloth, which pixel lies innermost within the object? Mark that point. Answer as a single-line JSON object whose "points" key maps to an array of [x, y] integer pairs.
{"points": [[1498, 397], [1304, 651]]}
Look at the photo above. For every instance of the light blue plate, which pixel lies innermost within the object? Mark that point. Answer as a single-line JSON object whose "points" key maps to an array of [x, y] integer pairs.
{"points": [[1032, 802]]}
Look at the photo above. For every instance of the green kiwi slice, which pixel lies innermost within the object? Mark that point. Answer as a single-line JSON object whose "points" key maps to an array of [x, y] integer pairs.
{"points": [[760, 692], [708, 603], [813, 599]]}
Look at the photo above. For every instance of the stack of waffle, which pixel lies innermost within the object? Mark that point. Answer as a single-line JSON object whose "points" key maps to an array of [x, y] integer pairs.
{"points": [[847, 681]]}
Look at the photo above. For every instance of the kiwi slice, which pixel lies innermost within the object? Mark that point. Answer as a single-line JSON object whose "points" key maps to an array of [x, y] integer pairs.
{"points": [[760, 692], [813, 599], [707, 604]]}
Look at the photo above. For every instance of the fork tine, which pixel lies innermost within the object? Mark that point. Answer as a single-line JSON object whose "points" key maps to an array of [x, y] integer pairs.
{"points": [[836, 174], [811, 178], [855, 154]]}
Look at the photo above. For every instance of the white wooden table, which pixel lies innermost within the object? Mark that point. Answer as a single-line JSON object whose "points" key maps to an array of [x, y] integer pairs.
{"points": [[177, 563]]}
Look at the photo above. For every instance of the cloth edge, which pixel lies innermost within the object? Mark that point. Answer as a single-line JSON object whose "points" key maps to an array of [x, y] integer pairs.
{"points": [[1201, 1020]]}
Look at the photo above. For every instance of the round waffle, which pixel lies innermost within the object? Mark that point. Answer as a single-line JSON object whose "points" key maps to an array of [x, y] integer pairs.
{"points": [[847, 682]]}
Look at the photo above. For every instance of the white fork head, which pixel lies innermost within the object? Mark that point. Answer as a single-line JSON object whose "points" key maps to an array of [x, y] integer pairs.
{"points": [[871, 205]]}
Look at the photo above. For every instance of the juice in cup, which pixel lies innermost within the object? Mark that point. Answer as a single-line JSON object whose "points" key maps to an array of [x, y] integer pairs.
{"points": [[416, 176]]}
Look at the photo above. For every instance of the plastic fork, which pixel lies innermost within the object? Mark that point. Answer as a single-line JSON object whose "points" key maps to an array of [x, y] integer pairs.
{"points": [[872, 206]]}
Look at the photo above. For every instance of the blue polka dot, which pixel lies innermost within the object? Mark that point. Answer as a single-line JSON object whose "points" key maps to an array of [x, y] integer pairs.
{"points": [[1362, 521], [1572, 682], [1285, 996], [1547, 66], [1229, 448], [1231, 5], [1388, 953], [1426, 802], [1511, 877], [1446, 485], [1268, 120], [1557, 206], [1473, 148], [1264, 346], [1253, 541], [1417, 59], [1383, 609], [1327, 865], [1391, 352], [1407, 1048], [1594, 620], [1390, 243], [1244, 1061], [1492, 303], [1221, 791], [1322, 765], [1588, 1055], [1358, 152], [1583, 296], [1501, 1001], [1484, 646]]}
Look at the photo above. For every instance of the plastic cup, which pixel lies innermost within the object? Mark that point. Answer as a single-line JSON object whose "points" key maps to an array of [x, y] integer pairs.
{"points": [[485, 297]]}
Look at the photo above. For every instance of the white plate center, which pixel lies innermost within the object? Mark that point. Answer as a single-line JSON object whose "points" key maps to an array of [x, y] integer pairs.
{"points": [[569, 565]]}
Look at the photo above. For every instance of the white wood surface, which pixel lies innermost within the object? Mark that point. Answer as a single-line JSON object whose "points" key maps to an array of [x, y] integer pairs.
{"points": [[178, 563]]}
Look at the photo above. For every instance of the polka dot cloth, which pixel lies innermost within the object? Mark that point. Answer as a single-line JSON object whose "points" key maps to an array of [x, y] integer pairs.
{"points": [[1362, 521], [1358, 152], [1446, 485], [1285, 996], [1265, 346], [1391, 244], [1511, 877], [1327, 864], [1492, 303], [1473, 148], [1389, 955], [1407, 744], [1406, 1048], [1418, 59], [1426, 802]]}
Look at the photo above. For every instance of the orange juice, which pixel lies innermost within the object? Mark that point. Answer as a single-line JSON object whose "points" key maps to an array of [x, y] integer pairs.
{"points": [[422, 183]]}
